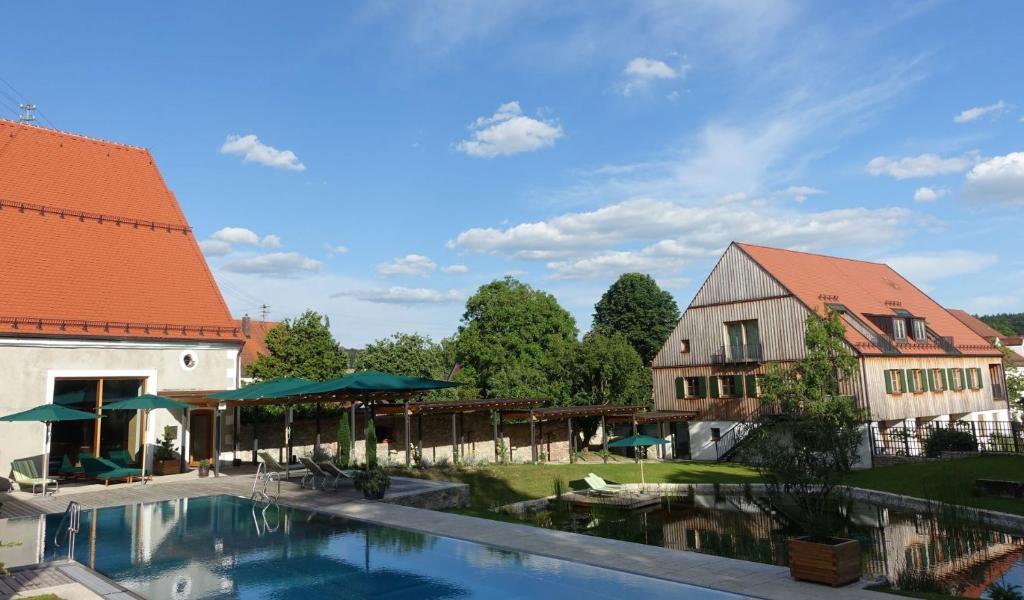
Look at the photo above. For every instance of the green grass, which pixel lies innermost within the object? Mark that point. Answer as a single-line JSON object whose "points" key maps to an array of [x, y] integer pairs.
{"points": [[947, 481], [497, 485]]}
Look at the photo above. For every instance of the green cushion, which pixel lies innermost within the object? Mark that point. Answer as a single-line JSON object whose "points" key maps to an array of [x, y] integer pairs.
{"points": [[119, 474]]}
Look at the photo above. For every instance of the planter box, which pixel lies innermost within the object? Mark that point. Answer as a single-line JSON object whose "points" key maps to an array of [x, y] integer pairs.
{"points": [[834, 561], [166, 467]]}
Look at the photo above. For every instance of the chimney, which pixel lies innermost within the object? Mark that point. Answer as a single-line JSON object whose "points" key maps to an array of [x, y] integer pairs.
{"points": [[246, 326]]}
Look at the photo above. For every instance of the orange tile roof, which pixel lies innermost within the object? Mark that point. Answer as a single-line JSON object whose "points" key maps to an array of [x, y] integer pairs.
{"points": [[865, 288], [96, 245], [977, 325], [256, 341]]}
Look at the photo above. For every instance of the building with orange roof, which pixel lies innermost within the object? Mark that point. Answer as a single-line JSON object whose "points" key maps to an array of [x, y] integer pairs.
{"points": [[255, 334], [105, 295], [919, 365]]}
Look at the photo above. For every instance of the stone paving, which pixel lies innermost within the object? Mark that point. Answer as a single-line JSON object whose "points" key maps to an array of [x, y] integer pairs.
{"points": [[747, 579]]}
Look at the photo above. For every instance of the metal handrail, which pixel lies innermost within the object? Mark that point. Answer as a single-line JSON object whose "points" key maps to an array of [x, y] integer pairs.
{"points": [[738, 353], [73, 518]]}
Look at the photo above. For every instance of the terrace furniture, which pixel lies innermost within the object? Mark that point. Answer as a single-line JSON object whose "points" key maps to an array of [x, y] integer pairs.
{"points": [[106, 471], [121, 458], [598, 485], [24, 473], [68, 469], [339, 474], [283, 471], [313, 471]]}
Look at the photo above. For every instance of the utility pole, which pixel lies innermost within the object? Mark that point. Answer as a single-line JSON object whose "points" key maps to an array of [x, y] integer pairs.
{"points": [[264, 311], [27, 115]]}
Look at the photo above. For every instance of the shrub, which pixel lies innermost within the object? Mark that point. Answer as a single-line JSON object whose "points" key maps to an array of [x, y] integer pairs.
{"points": [[373, 482], [943, 439], [344, 442], [371, 445], [165, 446]]}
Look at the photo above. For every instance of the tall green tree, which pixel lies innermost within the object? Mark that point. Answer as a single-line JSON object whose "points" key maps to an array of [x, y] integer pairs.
{"points": [[344, 441], [517, 342], [409, 354], [607, 370], [640, 310], [371, 445]]}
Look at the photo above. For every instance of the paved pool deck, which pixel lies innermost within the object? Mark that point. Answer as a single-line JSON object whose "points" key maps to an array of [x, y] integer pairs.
{"points": [[747, 579]]}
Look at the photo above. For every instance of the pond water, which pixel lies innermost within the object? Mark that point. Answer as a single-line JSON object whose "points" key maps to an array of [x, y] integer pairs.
{"points": [[963, 557]]}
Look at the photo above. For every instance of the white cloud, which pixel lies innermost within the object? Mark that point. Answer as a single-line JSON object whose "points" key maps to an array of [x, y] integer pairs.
{"points": [[977, 112], [271, 241], [998, 180], [336, 249], [456, 269], [925, 165], [648, 68], [237, 235], [403, 295], [508, 132], [215, 247], [411, 264], [931, 266], [279, 264], [799, 193], [251, 149], [927, 194], [589, 243]]}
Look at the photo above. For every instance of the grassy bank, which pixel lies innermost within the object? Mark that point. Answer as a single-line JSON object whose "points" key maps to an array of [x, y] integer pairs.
{"points": [[496, 485], [947, 481]]}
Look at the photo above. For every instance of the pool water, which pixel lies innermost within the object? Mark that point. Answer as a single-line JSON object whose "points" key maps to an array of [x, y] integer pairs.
{"points": [[224, 547]]}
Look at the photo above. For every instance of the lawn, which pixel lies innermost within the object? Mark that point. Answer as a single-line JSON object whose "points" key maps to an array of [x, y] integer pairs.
{"points": [[497, 485], [948, 481]]}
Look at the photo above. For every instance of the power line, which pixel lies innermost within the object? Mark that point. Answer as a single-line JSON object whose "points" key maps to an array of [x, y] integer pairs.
{"points": [[24, 100]]}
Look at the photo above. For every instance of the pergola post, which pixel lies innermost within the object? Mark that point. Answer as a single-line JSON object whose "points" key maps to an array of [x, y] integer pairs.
{"points": [[455, 439], [218, 420], [604, 440], [352, 434], [495, 417], [533, 438], [408, 436], [419, 434], [291, 443], [571, 459]]}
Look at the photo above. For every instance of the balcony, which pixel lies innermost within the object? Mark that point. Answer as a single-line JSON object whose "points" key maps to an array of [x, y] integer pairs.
{"points": [[743, 353]]}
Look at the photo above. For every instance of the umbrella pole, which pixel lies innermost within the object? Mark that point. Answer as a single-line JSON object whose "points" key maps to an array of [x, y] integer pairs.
{"points": [[46, 456], [145, 418], [642, 482]]}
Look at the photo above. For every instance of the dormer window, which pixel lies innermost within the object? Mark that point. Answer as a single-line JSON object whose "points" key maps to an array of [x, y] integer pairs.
{"points": [[899, 328], [920, 331]]}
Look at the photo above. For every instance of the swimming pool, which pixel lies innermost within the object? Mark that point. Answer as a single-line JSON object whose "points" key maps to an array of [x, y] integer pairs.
{"points": [[221, 547]]}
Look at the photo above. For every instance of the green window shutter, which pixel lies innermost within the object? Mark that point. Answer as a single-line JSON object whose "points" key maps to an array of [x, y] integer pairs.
{"points": [[888, 381], [714, 386], [978, 381], [751, 386], [931, 380], [680, 387], [737, 384], [949, 379], [702, 387], [903, 380], [963, 379], [908, 375]]}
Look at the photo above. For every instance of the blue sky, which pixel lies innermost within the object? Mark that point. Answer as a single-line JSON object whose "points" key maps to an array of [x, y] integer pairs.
{"points": [[378, 163]]}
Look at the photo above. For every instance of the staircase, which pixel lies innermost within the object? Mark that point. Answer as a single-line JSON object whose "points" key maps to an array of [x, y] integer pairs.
{"points": [[730, 441]]}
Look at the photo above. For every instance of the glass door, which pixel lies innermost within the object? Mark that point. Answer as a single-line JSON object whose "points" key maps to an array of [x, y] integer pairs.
{"points": [[200, 435], [734, 337]]}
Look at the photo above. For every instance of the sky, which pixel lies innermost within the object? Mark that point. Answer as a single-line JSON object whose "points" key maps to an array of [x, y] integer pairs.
{"points": [[379, 162]]}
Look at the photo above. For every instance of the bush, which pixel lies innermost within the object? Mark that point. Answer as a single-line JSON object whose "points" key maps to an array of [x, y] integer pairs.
{"points": [[371, 445], [943, 440], [373, 482], [344, 442], [165, 447]]}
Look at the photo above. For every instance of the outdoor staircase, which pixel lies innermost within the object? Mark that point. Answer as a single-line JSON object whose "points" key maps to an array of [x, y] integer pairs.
{"points": [[731, 440]]}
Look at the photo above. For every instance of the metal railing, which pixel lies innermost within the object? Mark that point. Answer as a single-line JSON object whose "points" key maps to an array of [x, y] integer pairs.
{"points": [[729, 440], [922, 440], [739, 353], [72, 519]]}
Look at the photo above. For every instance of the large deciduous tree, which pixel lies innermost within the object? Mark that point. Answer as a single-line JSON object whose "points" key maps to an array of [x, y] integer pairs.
{"points": [[640, 310], [516, 342], [409, 354], [607, 370]]}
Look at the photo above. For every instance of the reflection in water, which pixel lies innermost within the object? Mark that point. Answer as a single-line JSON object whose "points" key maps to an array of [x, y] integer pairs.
{"points": [[964, 557], [225, 547]]}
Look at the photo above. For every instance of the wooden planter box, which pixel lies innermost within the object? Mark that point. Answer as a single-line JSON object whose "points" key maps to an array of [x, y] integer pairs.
{"points": [[835, 561], [166, 467]]}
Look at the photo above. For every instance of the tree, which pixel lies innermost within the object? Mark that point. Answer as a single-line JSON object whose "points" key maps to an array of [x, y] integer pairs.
{"points": [[640, 310], [807, 436], [344, 441], [409, 354], [371, 445], [516, 342], [607, 370]]}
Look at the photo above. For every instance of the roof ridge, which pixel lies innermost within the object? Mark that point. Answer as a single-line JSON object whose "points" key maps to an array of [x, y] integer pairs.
{"points": [[61, 132], [818, 254]]}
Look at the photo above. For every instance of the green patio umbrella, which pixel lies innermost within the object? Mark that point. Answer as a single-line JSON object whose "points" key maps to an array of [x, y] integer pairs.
{"points": [[145, 403], [264, 389], [369, 381], [637, 441], [49, 413]]}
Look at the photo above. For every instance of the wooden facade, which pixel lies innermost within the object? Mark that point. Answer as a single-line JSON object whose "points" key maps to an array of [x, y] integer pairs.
{"points": [[885, 406]]}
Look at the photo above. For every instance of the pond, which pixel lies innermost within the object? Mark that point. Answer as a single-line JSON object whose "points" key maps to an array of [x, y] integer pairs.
{"points": [[940, 548]]}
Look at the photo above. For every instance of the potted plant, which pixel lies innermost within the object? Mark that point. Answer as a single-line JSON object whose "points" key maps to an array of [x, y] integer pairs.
{"points": [[805, 440], [204, 468], [373, 481], [165, 459]]}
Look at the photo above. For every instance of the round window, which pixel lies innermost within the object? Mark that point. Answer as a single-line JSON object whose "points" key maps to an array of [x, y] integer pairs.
{"points": [[188, 360]]}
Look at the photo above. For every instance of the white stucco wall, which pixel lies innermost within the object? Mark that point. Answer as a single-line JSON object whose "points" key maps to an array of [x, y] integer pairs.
{"points": [[702, 447], [29, 367]]}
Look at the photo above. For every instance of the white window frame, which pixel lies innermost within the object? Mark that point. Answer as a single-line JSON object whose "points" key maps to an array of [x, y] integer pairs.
{"points": [[690, 391], [939, 375], [920, 385], [897, 381], [919, 323], [899, 328]]}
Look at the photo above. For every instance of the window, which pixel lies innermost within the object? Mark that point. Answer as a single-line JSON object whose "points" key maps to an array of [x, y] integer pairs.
{"points": [[937, 379], [894, 381], [920, 331], [743, 340], [727, 384], [693, 387], [684, 346], [188, 360], [916, 382], [716, 434], [899, 328], [956, 377]]}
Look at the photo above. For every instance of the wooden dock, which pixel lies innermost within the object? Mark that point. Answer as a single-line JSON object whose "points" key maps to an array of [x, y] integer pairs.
{"points": [[623, 500]]}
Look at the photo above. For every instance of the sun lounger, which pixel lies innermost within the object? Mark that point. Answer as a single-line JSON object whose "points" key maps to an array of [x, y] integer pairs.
{"points": [[598, 485], [284, 472], [107, 471], [313, 471], [121, 458], [68, 469], [338, 474], [25, 474]]}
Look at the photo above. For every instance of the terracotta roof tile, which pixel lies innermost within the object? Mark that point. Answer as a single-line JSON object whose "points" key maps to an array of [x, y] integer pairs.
{"points": [[977, 325], [865, 288], [97, 244], [256, 341]]}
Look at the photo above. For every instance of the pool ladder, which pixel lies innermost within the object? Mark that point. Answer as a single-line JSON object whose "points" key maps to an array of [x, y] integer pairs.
{"points": [[73, 519]]}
